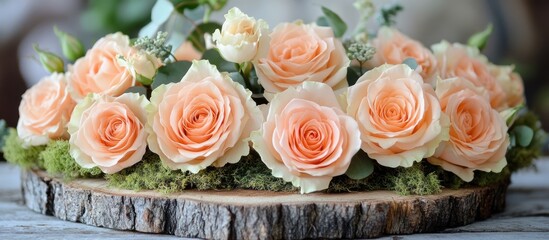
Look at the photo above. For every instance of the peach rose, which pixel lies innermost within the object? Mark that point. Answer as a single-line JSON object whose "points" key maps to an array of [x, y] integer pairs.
{"points": [[478, 134], [242, 38], [99, 71], [393, 47], [307, 138], [302, 52], [206, 119], [45, 111], [186, 52], [398, 115], [511, 83], [456, 60], [109, 132]]}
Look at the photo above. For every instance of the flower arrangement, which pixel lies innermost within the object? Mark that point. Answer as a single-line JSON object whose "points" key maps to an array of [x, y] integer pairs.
{"points": [[243, 105]]}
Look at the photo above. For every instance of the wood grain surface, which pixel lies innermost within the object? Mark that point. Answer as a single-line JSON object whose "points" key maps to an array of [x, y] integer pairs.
{"points": [[247, 214], [526, 215]]}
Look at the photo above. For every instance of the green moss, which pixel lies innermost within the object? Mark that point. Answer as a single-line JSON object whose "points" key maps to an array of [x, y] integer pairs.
{"points": [[519, 157], [57, 160], [488, 178], [16, 154], [415, 180], [249, 173]]}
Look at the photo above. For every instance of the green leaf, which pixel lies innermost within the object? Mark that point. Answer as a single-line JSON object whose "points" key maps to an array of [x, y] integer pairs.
{"points": [[352, 75], [237, 77], [216, 59], [411, 62], [3, 133], [511, 114], [137, 89], [337, 24], [181, 5], [480, 39], [361, 166], [388, 14], [322, 21], [197, 35], [170, 73], [524, 135]]}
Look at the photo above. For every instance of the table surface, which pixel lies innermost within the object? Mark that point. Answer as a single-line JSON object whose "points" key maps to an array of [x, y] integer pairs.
{"points": [[526, 215]]}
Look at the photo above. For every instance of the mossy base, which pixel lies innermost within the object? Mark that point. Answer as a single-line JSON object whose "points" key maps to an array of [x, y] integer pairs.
{"points": [[250, 172]]}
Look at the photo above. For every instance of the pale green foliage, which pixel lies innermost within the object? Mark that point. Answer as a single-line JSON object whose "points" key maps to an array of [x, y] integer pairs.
{"points": [[16, 154], [57, 160]]}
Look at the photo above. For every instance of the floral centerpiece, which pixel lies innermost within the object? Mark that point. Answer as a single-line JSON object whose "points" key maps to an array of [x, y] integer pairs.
{"points": [[295, 106]]}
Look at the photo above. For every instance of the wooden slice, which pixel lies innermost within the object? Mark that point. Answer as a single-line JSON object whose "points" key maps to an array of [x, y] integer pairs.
{"points": [[248, 214]]}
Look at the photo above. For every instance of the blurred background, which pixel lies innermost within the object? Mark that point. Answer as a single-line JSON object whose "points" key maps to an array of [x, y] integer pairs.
{"points": [[520, 37]]}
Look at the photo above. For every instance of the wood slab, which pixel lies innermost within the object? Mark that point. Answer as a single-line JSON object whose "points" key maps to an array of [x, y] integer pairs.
{"points": [[248, 214]]}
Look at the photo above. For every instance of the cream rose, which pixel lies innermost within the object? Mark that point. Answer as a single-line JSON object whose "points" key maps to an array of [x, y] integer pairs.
{"points": [[45, 111], [242, 38], [511, 83], [398, 115], [206, 119], [109, 132], [142, 65], [307, 138], [456, 60], [478, 134], [302, 52], [393, 47], [99, 71]]}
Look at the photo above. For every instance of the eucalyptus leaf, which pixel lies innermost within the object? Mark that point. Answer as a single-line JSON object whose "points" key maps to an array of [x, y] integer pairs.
{"points": [[511, 114], [480, 39], [3, 133], [137, 89], [361, 166], [322, 21], [352, 75], [215, 58], [160, 13], [411, 62], [170, 73], [182, 5], [195, 13], [164, 17], [338, 25], [237, 77], [524, 135]]}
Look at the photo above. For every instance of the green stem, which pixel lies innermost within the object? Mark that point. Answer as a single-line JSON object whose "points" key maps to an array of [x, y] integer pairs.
{"points": [[245, 69], [361, 64]]}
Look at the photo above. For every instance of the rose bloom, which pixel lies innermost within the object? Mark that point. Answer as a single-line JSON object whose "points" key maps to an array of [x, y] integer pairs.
{"points": [[109, 132], [307, 138], [302, 52], [45, 111], [398, 115], [511, 83], [242, 38], [186, 52], [393, 47], [478, 134], [143, 66], [99, 71], [456, 60], [206, 119]]}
